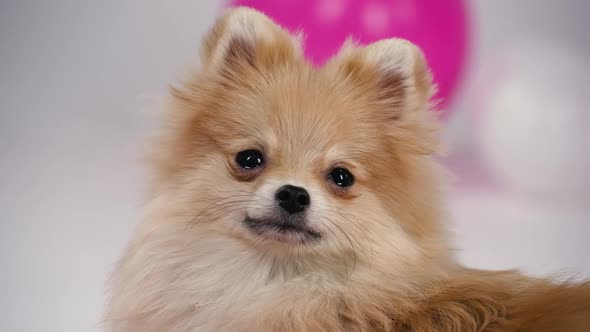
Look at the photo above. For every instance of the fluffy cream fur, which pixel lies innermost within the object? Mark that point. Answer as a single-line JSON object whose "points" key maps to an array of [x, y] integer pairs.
{"points": [[383, 262]]}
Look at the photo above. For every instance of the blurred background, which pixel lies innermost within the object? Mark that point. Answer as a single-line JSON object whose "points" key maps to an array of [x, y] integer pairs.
{"points": [[77, 77]]}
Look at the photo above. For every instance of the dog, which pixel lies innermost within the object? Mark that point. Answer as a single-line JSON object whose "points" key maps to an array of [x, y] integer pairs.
{"points": [[287, 197]]}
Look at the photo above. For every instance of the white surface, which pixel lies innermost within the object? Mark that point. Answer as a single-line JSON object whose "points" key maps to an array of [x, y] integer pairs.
{"points": [[73, 73], [500, 231]]}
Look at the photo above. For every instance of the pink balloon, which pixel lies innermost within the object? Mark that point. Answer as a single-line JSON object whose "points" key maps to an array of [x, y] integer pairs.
{"points": [[438, 27]]}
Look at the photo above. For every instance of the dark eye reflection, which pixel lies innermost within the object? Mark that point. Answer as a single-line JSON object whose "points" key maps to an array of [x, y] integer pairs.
{"points": [[341, 177], [250, 159]]}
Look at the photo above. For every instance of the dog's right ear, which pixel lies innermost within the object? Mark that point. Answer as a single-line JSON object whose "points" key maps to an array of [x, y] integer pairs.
{"points": [[245, 38]]}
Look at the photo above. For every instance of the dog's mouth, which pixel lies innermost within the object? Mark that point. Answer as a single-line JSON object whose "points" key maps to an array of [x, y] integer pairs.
{"points": [[284, 231]]}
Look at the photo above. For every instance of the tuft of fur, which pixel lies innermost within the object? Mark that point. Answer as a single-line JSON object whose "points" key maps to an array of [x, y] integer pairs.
{"points": [[383, 263]]}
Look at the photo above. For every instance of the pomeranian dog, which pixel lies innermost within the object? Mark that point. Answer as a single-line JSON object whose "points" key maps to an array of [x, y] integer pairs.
{"points": [[294, 198]]}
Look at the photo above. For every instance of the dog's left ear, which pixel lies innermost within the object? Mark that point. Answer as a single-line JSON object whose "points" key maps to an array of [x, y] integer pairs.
{"points": [[394, 74], [243, 39]]}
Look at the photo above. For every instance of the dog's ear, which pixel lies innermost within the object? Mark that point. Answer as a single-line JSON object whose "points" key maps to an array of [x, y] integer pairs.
{"points": [[245, 38], [394, 70], [394, 73]]}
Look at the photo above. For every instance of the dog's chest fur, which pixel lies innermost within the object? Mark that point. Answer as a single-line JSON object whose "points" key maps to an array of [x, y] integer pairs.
{"points": [[204, 284]]}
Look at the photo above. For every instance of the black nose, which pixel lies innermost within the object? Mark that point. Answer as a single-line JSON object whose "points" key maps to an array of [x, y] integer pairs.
{"points": [[293, 199]]}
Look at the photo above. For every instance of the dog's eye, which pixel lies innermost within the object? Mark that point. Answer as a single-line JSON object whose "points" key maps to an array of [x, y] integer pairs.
{"points": [[249, 159], [341, 177]]}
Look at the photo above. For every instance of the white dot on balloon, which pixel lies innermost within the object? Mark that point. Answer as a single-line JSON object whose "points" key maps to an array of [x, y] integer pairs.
{"points": [[329, 11], [375, 19]]}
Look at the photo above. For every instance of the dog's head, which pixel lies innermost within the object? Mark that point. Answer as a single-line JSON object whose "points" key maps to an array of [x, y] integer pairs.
{"points": [[269, 150]]}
